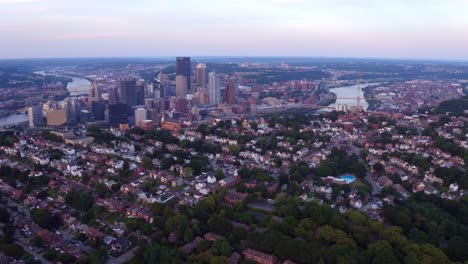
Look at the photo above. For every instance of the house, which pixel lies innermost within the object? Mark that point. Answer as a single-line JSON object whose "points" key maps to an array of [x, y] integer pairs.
{"points": [[402, 191], [228, 181], [213, 237], [431, 190], [259, 257], [418, 187], [384, 181], [211, 179], [235, 198], [93, 233], [190, 247], [356, 203], [177, 182], [235, 258], [453, 187], [49, 238]]}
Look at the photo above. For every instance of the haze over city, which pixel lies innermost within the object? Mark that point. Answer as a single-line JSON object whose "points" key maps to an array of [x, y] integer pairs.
{"points": [[233, 132], [416, 29]]}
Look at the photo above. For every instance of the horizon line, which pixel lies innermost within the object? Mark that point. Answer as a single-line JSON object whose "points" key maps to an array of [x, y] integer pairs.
{"points": [[243, 56]]}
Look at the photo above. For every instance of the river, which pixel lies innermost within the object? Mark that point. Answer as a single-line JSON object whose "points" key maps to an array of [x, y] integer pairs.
{"points": [[13, 119], [77, 86], [348, 95]]}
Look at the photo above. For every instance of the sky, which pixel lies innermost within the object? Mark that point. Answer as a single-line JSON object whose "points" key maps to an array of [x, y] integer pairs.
{"points": [[411, 29]]}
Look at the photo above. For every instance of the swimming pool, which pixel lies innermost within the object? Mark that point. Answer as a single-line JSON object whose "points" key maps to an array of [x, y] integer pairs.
{"points": [[348, 178]]}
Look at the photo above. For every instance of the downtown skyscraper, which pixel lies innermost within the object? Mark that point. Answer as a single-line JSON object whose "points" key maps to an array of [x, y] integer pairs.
{"points": [[214, 93], [201, 78], [230, 93], [128, 91], [200, 75], [183, 69]]}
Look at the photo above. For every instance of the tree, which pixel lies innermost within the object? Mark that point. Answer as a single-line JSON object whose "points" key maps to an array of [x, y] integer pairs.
{"points": [[378, 167], [188, 235], [219, 174], [382, 253], [80, 200], [9, 232], [101, 189], [4, 215], [254, 125], [12, 250], [177, 223], [223, 248], [457, 249], [147, 163], [44, 219], [218, 224]]}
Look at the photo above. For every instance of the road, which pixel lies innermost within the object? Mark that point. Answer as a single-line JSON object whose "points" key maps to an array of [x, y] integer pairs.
{"points": [[34, 254], [123, 258], [375, 188]]}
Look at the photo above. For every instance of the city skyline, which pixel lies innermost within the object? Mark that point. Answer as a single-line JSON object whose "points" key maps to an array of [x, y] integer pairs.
{"points": [[412, 29]]}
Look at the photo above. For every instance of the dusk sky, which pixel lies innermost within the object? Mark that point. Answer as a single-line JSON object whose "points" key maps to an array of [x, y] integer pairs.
{"points": [[419, 29]]}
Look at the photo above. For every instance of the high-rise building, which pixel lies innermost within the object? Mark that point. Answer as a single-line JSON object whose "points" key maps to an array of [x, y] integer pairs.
{"points": [[181, 86], [153, 114], [35, 116], [113, 96], [163, 84], [94, 94], [149, 103], [118, 114], [183, 69], [140, 114], [128, 92], [98, 109], [201, 76], [230, 93], [85, 116], [213, 89], [73, 110], [140, 93]]}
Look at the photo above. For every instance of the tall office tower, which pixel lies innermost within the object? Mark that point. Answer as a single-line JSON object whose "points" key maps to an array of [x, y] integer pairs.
{"points": [[85, 116], [128, 93], [140, 114], [153, 114], [149, 103], [73, 110], [164, 84], [183, 68], [98, 109], [213, 89], [201, 75], [181, 86], [230, 93], [118, 114], [203, 98], [35, 116], [149, 88], [93, 94], [161, 77], [140, 93], [113, 95]]}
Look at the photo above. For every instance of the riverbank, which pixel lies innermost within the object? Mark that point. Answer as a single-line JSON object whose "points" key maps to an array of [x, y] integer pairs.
{"points": [[369, 93]]}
